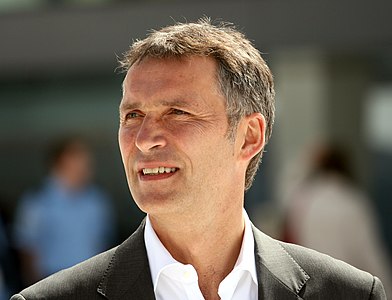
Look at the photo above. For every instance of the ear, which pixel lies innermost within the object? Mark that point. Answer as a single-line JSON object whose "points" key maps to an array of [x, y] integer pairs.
{"points": [[253, 127]]}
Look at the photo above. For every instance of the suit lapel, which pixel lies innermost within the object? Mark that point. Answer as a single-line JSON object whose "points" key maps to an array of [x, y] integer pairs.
{"points": [[279, 275], [128, 274]]}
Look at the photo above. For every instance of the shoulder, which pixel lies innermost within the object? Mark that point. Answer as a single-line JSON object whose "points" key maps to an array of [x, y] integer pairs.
{"points": [[78, 282], [333, 275], [323, 266], [37, 195], [322, 275]]}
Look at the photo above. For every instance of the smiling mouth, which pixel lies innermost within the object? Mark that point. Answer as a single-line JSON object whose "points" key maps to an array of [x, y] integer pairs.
{"points": [[157, 171]]}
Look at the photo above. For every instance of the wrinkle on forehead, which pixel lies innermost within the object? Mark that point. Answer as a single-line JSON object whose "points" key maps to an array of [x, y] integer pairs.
{"points": [[170, 80], [152, 63]]}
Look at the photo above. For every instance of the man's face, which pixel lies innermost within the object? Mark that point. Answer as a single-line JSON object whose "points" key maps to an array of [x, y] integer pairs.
{"points": [[172, 136]]}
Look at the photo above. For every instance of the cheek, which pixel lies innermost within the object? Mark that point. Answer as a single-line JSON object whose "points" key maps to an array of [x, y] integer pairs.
{"points": [[213, 151], [126, 141]]}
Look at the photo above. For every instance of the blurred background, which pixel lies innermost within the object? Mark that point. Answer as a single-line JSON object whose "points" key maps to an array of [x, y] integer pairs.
{"points": [[332, 62]]}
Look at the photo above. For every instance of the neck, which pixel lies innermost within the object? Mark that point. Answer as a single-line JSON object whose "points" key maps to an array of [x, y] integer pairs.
{"points": [[69, 181], [211, 244]]}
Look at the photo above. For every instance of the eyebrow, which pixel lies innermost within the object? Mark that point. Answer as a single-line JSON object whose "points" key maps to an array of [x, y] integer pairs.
{"points": [[165, 103]]}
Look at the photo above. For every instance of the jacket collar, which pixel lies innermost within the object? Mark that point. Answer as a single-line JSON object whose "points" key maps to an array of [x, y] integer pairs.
{"points": [[128, 274], [279, 275]]}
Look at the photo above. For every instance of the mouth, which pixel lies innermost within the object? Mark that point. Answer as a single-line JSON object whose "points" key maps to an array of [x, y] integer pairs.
{"points": [[157, 171]]}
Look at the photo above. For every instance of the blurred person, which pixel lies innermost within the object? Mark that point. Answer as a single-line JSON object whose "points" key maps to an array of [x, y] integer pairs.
{"points": [[67, 219], [196, 113], [330, 214]]}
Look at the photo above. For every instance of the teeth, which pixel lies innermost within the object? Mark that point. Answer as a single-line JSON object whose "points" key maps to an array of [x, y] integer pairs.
{"points": [[159, 170]]}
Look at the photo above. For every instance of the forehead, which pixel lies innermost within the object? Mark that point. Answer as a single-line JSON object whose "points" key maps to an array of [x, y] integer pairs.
{"points": [[188, 75]]}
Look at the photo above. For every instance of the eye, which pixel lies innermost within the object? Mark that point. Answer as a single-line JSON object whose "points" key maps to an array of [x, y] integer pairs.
{"points": [[179, 112], [132, 115]]}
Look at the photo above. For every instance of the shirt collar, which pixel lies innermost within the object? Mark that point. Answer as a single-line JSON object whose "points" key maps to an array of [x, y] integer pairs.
{"points": [[159, 257], [246, 259]]}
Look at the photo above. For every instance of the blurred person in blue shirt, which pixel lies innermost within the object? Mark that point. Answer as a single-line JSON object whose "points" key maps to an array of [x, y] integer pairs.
{"points": [[67, 219]]}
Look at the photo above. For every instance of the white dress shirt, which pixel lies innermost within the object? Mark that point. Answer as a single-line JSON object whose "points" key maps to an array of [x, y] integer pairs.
{"points": [[173, 280]]}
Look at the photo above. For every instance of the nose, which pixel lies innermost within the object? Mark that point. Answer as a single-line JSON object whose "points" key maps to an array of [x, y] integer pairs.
{"points": [[150, 135]]}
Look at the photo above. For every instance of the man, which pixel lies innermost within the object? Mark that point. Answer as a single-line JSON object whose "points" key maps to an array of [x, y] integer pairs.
{"points": [[196, 113], [67, 219]]}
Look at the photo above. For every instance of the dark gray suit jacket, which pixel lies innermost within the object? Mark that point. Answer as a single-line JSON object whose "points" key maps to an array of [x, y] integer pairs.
{"points": [[284, 271]]}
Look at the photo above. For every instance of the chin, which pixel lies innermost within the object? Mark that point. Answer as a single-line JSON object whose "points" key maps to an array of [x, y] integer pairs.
{"points": [[156, 204]]}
